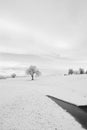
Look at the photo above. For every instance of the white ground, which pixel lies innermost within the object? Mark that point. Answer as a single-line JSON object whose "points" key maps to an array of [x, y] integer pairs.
{"points": [[23, 105]]}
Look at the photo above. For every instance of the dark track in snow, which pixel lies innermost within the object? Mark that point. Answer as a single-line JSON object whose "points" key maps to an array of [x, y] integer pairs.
{"points": [[78, 112]]}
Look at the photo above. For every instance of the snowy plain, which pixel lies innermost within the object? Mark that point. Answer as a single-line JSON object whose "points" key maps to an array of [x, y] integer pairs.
{"points": [[24, 105]]}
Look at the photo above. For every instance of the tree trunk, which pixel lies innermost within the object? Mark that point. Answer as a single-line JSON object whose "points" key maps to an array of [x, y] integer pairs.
{"points": [[32, 77]]}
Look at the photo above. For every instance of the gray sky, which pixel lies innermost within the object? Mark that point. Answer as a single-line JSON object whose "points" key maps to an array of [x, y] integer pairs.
{"points": [[44, 27]]}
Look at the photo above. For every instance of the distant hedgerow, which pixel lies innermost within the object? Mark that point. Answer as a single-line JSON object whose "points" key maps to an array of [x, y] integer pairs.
{"points": [[80, 71]]}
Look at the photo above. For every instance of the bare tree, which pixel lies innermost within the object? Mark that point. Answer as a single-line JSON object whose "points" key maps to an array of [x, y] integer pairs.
{"points": [[33, 71]]}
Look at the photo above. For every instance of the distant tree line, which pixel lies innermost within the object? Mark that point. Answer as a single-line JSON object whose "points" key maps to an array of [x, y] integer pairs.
{"points": [[80, 71]]}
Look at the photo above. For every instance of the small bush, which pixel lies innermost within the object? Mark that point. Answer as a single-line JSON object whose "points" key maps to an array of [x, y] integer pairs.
{"points": [[65, 74], [13, 75]]}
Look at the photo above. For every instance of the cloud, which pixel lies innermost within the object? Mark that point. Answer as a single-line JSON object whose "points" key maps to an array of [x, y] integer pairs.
{"points": [[43, 27]]}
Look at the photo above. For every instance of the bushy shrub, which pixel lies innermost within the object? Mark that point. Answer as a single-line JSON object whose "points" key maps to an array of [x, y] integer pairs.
{"points": [[13, 75], [33, 71]]}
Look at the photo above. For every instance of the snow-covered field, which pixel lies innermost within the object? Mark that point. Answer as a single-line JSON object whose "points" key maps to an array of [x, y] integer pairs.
{"points": [[23, 104], [69, 88], [35, 112]]}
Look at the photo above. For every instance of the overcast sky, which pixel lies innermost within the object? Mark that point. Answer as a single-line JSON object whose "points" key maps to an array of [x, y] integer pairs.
{"points": [[56, 27]]}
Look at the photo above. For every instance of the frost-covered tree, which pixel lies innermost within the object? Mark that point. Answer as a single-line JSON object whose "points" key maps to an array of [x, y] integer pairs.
{"points": [[81, 71], [33, 71], [13, 75], [70, 71]]}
